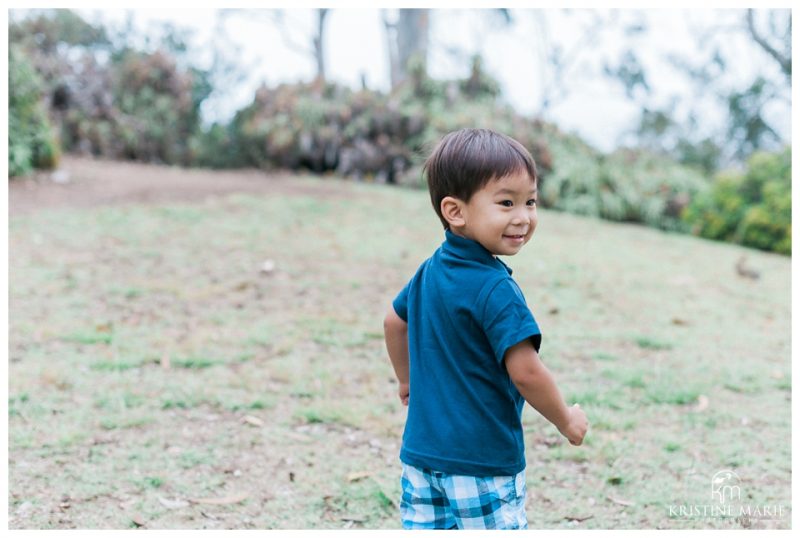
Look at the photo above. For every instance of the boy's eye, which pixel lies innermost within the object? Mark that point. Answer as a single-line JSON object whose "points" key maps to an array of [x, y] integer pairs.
{"points": [[532, 202], [507, 203]]}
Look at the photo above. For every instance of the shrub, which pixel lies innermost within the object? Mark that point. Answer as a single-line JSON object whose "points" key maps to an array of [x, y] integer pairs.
{"points": [[31, 141], [157, 107], [752, 208], [140, 106], [115, 102], [324, 127], [627, 185], [215, 147]]}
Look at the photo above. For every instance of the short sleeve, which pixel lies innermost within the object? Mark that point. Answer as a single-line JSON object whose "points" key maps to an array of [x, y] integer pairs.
{"points": [[400, 303], [507, 320]]}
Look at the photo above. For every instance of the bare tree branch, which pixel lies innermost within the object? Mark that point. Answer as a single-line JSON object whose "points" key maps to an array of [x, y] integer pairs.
{"points": [[554, 89], [784, 62]]}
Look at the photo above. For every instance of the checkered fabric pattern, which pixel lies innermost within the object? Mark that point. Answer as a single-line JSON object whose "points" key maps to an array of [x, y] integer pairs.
{"points": [[435, 500]]}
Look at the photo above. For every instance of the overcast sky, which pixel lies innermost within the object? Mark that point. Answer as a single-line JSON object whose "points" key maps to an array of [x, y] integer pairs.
{"points": [[355, 43]]}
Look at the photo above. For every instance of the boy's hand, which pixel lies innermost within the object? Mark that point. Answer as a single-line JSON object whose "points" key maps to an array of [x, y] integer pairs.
{"points": [[576, 426], [403, 393]]}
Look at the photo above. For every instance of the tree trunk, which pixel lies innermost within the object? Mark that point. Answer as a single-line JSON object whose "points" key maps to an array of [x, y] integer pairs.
{"points": [[408, 40], [319, 50]]}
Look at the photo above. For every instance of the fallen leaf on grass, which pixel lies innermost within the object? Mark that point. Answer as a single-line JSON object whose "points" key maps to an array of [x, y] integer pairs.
{"points": [[104, 327], [230, 499], [172, 505], [253, 421], [702, 403], [138, 520], [622, 502], [355, 477]]}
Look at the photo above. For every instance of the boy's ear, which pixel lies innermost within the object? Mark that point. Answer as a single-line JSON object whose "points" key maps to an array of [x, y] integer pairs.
{"points": [[452, 211]]}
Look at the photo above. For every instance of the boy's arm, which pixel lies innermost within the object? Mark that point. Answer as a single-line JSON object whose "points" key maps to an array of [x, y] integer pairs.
{"points": [[536, 384], [395, 331]]}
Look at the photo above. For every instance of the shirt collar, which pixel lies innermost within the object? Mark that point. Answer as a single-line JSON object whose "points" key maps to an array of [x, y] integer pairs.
{"points": [[462, 247]]}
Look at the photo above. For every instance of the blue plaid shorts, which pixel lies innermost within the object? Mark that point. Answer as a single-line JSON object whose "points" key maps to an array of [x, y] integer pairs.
{"points": [[434, 500]]}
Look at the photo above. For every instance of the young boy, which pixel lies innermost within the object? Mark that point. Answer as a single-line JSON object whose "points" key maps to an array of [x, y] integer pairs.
{"points": [[464, 344]]}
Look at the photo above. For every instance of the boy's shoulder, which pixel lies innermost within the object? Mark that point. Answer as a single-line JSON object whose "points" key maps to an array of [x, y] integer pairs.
{"points": [[500, 293]]}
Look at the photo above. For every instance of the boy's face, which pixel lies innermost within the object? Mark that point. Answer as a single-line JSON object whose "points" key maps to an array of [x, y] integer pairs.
{"points": [[502, 215]]}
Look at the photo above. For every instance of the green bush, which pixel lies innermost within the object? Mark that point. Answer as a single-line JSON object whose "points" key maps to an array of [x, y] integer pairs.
{"points": [[627, 185], [141, 106], [366, 134], [216, 147], [134, 105], [156, 107], [752, 208], [31, 141], [324, 127]]}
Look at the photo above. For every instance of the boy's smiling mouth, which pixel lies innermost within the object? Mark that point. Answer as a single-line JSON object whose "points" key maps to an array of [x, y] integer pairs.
{"points": [[515, 238]]}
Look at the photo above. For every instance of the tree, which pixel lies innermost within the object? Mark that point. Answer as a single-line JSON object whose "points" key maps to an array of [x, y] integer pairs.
{"points": [[682, 127]]}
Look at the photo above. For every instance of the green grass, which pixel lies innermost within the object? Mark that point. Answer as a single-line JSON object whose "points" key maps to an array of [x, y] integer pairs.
{"points": [[647, 342], [672, 391], [278, 385], [258, 404], [195, 363], [116, 366], [90, 337], [152, 482]]}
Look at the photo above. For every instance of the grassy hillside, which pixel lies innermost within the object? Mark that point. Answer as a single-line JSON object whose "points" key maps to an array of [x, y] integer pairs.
{"points": [[159, 378]]}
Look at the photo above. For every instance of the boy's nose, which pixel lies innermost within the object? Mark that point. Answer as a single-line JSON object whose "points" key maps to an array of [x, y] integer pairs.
{"points": [[521, 218]]}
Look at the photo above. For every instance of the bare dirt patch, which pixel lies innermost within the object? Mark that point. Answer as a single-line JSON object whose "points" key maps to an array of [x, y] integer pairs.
{"points": [[82, 182]]}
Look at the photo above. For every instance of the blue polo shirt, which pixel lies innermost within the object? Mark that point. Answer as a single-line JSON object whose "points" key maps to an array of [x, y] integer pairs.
{"points": [[464, 311]]}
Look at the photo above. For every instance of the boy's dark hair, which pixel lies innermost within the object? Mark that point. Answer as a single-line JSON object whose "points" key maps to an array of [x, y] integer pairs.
{"points": [[466, 160]]}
